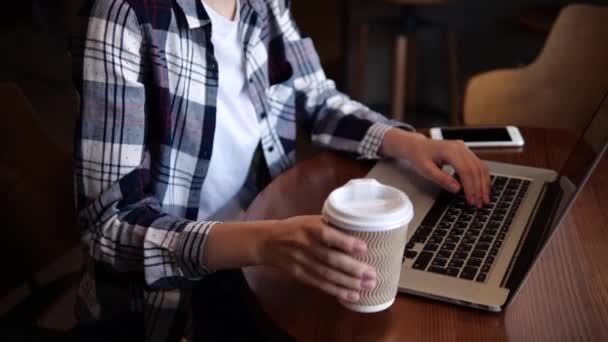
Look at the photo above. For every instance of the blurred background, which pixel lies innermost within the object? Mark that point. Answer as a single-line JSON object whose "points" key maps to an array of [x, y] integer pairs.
{"points": [[427, 62]]}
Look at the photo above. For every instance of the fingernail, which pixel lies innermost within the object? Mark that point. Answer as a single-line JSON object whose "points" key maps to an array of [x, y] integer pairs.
{"points": [[368, 284], [352, 296], [454, 187], [360, 247], [369, 275]]}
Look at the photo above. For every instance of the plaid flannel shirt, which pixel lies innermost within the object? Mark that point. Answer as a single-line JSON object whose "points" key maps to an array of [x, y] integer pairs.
{"points": [[148, 81]]}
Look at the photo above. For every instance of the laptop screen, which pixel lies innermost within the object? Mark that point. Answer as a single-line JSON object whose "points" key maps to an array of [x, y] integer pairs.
{"points": [[585, 154], [583, 158]]}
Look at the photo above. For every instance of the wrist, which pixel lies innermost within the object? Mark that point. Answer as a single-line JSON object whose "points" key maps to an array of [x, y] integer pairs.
{"points": [[398, 143], [262, 237], [236, 245]]}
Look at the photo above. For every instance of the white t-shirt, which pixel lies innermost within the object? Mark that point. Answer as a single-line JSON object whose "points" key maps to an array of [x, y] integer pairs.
{"points": [[237, 133]]}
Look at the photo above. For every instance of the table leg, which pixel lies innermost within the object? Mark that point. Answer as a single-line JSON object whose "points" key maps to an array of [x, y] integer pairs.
{"points": [[399, 77], [407, 26]]}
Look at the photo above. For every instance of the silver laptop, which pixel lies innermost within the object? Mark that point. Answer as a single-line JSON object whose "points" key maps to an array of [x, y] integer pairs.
{"points": [[480, 257]]}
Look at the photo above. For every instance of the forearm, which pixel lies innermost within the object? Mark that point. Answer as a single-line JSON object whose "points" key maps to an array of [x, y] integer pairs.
{"points": [[397, 143], [236, 244]]}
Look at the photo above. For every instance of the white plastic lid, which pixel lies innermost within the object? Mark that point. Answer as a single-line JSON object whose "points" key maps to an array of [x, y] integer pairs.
{"points": [[365, 204]]}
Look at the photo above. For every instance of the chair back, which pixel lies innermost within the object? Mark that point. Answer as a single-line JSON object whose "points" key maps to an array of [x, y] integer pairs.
{"points": [[561, 88]]}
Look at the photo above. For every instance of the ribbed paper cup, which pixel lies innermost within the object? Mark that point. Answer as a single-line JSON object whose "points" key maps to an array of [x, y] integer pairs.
{"points": [[379, 215]]}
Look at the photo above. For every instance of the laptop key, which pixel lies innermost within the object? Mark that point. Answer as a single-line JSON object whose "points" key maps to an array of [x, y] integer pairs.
{"points": [[431, 247], [436, 239], [491, 231], [409, 254], [469, 240], [452, 238], [436, 269], [468, 273], [500, 211], [481, 277], [466, 247], [466, 217], [439, 262], [474, 262], [449, 219], [493, 224], [423, 260], [474, 232], [481, 218], [453, 212], [441, 232], [452, 271], [476, 225], [448, 245], [486, 238], [457, 232], [501, 179], [418, 239], [461, 224], [444, 253], [478, 253], [490, 259], [483, 246], [461, 255], [424, 231], [437, 209], [485, 268], [445, 225], [456, 263], [485, 211]]}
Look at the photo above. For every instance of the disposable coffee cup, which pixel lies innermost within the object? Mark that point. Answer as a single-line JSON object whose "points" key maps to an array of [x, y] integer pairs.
{"points": [[379, 215]]}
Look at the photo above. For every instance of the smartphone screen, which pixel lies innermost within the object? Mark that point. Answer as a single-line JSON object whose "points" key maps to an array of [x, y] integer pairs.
{"points": [[476, 134]]}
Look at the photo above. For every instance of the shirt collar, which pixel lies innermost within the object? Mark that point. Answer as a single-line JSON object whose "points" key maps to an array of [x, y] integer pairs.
{"points": [[196, 16]]}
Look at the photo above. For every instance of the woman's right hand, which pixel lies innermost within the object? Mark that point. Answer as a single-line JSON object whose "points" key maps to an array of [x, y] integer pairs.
{"points": [[314, 253]]}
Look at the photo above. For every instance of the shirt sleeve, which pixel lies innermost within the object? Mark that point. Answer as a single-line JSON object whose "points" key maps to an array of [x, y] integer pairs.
{"points": [[333, 119], [121, 220]]}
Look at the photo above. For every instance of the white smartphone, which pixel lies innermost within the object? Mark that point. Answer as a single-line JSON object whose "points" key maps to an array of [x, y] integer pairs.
{"points": [[504, 136]]}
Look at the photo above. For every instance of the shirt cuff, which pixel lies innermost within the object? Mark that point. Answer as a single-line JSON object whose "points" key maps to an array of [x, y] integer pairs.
{"points": [[369, 147], [191, 248]]}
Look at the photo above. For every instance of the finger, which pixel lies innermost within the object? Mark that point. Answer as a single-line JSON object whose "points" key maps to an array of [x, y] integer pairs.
{"points": [[485, 178], [306, 277], [343, 262], [332, 237], [478, 180], [434, 173], [336, 276], [464, 168], [475, 177]]}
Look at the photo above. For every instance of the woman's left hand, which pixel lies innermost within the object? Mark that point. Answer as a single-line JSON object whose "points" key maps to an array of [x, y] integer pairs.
{"points": [[427, 156]]}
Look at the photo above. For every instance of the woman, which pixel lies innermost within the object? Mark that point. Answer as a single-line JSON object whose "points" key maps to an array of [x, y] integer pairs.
{"points": [[189, 107]]}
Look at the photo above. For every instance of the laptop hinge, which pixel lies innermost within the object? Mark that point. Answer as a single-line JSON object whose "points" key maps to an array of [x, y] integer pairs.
{"points": [[537, 231]]}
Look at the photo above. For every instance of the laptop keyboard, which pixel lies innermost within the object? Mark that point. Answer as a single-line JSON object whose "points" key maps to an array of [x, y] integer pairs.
{"points": [[459, 240]]}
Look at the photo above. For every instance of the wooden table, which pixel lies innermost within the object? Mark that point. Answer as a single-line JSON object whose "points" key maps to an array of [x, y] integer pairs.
{"points": [[564, 299]]}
